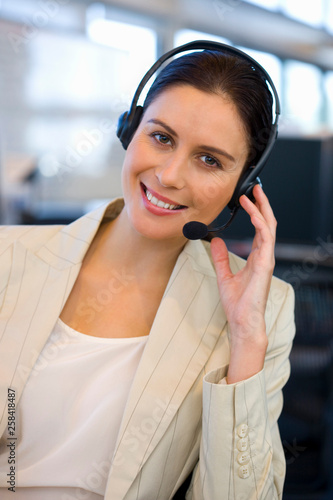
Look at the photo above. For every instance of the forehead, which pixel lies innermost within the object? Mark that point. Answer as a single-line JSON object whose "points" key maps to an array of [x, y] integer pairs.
{"points": [[199, 114]]}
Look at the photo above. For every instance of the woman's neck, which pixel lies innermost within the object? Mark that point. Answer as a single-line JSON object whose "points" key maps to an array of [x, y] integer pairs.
{"points": [[118, 245]]}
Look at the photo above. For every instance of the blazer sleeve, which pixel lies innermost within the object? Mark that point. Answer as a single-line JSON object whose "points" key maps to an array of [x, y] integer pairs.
{"points": [[241, 454]]}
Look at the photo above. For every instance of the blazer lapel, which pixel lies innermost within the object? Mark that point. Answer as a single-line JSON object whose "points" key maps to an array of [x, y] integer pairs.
{"points": [[37, 288], [186, 328], [34, 297]]}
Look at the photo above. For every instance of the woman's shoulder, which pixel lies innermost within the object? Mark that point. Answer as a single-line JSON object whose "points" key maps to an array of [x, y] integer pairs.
{"points": [[35, 236], [31, 236]]}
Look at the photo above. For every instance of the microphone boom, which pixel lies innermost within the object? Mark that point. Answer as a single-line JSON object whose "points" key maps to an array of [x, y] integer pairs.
{"points": [[195, 230]]}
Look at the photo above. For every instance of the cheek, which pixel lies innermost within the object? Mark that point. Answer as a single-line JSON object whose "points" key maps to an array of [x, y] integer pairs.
{"points": [[129, 169], [214, 193], [136, 159], [124, 175]]}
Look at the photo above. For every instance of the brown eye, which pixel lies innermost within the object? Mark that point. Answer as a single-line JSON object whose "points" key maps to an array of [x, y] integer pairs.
{"points": [[210, 161], [162, 138]]}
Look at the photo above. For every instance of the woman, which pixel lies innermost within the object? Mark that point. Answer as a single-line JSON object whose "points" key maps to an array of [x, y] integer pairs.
{"points": [[139, 360]]}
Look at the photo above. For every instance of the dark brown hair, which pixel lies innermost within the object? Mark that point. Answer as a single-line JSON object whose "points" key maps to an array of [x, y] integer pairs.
{"points": [[232, 77]]}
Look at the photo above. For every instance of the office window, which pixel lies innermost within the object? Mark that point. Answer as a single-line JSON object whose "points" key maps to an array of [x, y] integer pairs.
{"points": [[328, 22], [186, 36], [328, 83], [307, 12], [303, 98], [134, 50], [73, 76], [266, 4], [67, 71]]}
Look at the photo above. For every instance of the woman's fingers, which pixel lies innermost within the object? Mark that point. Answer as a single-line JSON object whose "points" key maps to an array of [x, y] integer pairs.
{"points": [[220, 257], [260, 212], [264, 206], [262, 218]]}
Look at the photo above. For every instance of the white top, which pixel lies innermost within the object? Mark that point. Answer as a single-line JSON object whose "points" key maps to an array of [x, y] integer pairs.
{"points": [[69, 415]]}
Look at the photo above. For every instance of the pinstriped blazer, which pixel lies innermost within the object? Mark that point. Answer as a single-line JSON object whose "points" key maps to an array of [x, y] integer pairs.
{"points": [[178, 417]]}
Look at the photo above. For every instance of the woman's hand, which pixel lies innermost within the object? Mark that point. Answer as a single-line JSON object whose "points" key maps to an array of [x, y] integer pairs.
{"points": [[244, 294]]}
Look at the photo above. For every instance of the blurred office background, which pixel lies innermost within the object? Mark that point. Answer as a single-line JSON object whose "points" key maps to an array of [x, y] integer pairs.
{"points": [[69, 68]]}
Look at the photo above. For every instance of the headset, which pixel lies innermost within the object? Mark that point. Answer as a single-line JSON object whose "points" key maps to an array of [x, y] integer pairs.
{"points": [[129, 121]]}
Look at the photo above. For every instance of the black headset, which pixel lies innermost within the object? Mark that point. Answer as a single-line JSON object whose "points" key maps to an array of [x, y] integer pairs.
{"points": [[129, 121]]}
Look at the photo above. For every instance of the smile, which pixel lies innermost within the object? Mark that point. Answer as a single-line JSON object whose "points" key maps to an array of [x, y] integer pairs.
{"points": [[160, 203]]}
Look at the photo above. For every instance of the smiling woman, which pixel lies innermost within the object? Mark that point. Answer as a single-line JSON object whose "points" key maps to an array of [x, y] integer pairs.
{"points": [[168, 356]]}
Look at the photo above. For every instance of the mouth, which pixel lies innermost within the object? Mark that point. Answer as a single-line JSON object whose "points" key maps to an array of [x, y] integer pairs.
{"points": [[158, 202]]}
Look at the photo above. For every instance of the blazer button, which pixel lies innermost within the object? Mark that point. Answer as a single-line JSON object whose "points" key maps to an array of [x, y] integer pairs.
{"points": [[243, 444], [243, 458], [242, 430], [244, 471]]}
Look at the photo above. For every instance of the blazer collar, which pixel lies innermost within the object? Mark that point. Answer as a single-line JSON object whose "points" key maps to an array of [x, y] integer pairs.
{"points": [[69, 246]]}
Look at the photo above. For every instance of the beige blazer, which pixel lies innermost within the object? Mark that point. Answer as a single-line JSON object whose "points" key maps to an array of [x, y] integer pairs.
{"points": [[178, 417]]}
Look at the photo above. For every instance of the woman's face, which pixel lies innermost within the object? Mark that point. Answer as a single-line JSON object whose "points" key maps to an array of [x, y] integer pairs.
{"points": [[183, 162]]}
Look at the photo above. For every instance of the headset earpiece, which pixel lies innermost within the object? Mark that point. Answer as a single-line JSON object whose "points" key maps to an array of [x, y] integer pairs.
{"points": [[121, 124], [245, 186], [128, 124], [249, 191]]}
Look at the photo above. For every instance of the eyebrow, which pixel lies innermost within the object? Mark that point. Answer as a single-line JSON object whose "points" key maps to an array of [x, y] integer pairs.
{"points": [[203, 146]]}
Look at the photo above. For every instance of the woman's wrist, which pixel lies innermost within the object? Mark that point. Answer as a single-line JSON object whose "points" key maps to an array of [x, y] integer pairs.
{"points": [[247, 357]]}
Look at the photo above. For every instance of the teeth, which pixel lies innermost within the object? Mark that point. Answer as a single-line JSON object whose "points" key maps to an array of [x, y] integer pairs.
{"points": [[160, 203]]}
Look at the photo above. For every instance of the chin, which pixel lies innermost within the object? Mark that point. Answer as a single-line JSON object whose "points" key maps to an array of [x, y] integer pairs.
{"points": [[156, 231], [159, 234]]}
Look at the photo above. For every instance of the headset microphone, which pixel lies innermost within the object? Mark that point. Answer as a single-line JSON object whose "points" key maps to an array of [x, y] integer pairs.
{"points": [[195, 230]]}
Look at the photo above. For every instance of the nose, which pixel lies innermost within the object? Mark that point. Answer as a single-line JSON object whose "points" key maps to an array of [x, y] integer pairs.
{"points": [[172, 171]]}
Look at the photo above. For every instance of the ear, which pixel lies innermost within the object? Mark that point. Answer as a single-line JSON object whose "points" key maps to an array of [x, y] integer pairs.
{"points": [[127, 125]]}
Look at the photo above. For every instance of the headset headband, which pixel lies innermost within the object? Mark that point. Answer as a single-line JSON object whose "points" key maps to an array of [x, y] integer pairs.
{"points": [[203, 45]]}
